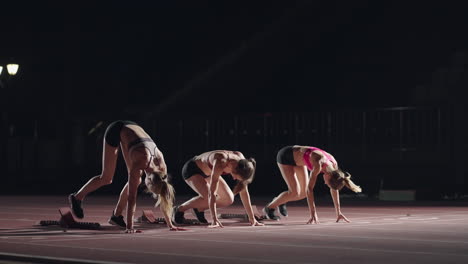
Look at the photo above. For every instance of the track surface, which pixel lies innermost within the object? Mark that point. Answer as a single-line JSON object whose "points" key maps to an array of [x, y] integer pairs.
{"points": [[379, 233]]}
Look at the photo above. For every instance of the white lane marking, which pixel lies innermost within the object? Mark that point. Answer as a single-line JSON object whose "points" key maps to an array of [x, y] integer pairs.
{"points": [[249, 229], [363, 237], [238, 259], [414, 230], [34, 258], [418, 218], [18, 219], [257, 244]]}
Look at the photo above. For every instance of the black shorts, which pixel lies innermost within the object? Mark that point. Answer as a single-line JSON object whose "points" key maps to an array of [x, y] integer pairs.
{"points": [[285, 156], [112, 134], [190, 168]]}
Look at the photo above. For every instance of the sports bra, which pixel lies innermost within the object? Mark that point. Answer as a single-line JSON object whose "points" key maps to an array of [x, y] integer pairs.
{"points": [[211, 165], [147, 143], [309, 151]]}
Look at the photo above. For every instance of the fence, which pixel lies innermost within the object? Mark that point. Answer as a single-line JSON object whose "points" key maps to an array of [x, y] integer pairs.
{"points": [[393, 148]]}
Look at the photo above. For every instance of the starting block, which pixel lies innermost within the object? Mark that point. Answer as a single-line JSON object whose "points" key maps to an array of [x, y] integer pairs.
{"points": [[244, 217], [149, 217], [67, 220]]}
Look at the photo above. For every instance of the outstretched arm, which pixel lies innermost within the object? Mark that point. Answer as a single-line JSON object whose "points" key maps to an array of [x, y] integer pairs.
{"points": [[219, 164], [336, 202], [245, 198], [310, 195]]}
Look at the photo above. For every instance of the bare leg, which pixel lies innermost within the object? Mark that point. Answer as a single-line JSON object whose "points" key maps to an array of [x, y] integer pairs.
{"points": [[123, 198], [109, 161], [225, 196], [200, 185], [122, 203], [294, 186], [303, 178]]}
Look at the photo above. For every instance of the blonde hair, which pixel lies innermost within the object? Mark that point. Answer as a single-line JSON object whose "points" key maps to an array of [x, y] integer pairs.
{"points": [[247, 173], [158, 185], [339, 179]]}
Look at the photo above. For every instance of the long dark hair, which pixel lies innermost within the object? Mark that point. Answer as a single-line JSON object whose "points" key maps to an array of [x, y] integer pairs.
{"points": [[158, 185], [246, 170]]}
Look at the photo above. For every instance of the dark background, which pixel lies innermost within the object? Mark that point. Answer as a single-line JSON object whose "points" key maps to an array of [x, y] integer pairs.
{"points": [[379, 84]]}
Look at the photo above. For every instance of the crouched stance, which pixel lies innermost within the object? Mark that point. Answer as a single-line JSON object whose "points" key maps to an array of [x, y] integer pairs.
{"points": [[203, 174], [142, 157]]}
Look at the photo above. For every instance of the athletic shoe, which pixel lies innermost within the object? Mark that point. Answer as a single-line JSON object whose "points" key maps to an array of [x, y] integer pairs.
{"points": [[178, 217], [282, 209], [75, 206], [199, 215], [117, 220], [270, 213]]}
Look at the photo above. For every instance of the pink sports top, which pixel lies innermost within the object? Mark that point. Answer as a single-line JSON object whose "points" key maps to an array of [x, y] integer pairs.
{"points": [[309, 151]]}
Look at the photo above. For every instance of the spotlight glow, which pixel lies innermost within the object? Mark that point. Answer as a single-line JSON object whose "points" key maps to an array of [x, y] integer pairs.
{"points": [[12, 69]]}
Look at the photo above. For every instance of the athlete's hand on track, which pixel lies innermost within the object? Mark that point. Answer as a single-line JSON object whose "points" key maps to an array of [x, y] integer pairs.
{"points": [[216, 223], [313, 219], [256, 223], [341, 216]]}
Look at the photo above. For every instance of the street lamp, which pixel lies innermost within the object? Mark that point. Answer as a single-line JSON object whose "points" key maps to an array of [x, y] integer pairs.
{"points": [[12, 69]]}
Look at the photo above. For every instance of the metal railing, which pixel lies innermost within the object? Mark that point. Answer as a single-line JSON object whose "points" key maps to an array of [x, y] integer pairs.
{"points": [[394, 145]]}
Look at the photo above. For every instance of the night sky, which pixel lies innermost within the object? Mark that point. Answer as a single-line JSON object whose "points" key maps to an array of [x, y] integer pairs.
{"points": [[247, 56], [255, 68]]}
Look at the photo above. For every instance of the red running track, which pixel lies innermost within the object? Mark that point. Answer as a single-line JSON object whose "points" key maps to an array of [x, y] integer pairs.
{"points": [[379, 233]]}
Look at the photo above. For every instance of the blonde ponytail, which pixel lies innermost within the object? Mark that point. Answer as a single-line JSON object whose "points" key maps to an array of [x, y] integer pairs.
{"points": [[350, 184], [339, 179], [159, 186], [165, 199]]}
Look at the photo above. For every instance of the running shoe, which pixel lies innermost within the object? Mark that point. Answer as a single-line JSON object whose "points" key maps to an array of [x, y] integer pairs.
{"points": [[270, 213], [117, 220], [75, 206], [199, 215]]}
